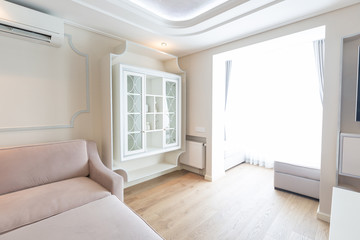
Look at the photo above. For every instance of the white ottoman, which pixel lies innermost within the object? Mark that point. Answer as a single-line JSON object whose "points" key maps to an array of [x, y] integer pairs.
{"points": [[296, 178]]}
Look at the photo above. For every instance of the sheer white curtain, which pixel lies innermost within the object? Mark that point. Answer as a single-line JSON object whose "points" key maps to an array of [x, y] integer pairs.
{"points": [[273, 108], [228, 65], [319, 51]]}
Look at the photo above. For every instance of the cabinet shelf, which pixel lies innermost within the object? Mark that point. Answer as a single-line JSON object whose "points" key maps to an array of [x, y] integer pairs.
{"points": [[154, 130], [134, 132], [149, 170], [150, 151], [154, 95]]}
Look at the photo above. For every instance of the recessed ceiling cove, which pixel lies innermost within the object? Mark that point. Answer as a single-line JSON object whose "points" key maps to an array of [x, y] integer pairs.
{"points": [[149, 16], [175, 10]]}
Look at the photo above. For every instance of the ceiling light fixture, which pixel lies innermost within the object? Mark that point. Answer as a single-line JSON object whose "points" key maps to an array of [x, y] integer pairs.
{"points": [[164, 44]]}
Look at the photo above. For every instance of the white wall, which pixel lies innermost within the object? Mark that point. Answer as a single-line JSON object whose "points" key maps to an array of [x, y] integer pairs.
{"points": [[202, 86], [44, 86]]}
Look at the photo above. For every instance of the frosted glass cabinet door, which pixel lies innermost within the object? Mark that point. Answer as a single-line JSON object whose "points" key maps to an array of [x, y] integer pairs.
{"points": [[170, 112], [149, 119], [134, 85]]}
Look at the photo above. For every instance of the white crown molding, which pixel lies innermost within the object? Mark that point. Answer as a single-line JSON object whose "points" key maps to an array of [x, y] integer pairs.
{"points": [[76, 114]]}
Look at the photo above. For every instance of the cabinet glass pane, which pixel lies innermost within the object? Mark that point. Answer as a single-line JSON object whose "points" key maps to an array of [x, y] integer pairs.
{"points": [[170, 136], [134, 123], [134, 141], [134, 113], [170, 120], [134, 84], [134, 103], [171, 89], [171, 104]]}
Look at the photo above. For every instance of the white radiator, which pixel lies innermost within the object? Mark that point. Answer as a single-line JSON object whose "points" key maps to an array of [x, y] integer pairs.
{"points": [[194, 155]]}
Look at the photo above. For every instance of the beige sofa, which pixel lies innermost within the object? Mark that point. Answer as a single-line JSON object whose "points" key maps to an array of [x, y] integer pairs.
{"points": [[63, 191]]}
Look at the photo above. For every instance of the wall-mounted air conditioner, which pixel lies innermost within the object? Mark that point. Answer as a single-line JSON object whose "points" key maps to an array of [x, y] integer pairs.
{"points": [[25, 23]]}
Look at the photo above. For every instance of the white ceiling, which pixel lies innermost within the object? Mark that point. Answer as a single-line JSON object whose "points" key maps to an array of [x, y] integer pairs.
{"points": [[175, 10], [187, 26]]}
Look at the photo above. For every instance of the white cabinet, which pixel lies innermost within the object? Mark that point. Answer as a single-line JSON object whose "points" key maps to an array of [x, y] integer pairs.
{"points": [[149, 111], [143, 112]]}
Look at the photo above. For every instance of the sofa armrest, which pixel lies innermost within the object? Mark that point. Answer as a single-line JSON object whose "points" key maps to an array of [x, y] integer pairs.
{"points": [[102, 175]]}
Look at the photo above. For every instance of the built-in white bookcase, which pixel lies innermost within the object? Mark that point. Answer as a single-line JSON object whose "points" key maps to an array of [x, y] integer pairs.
{"points": [[149, 103], [146, 105]]}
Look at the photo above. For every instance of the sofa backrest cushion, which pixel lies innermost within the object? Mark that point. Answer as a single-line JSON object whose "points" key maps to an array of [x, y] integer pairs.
{"points": [[29, 166]]}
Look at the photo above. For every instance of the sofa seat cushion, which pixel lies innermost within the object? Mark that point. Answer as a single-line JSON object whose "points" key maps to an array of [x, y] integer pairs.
{"points": [[105, 219], [30, 205]]}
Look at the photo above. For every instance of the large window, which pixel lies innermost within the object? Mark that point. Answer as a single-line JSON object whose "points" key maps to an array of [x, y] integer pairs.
{"points": [[274, 109]]}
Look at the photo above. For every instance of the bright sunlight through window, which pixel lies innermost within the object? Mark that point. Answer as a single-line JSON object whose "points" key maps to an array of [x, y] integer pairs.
{"points": [[274, 108]]}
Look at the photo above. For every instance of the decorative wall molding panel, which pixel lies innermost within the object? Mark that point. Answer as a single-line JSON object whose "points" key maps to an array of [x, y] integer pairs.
{"points": [[43, 88]]}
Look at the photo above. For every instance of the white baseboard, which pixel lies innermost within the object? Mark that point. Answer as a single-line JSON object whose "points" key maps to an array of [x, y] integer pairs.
{"points": [[192, 169], [323, 216], [208, 178], [212, 178]]}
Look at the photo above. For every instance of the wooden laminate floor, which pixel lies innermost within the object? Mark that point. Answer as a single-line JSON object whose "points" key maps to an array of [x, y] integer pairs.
{"points": [[241, 205]]}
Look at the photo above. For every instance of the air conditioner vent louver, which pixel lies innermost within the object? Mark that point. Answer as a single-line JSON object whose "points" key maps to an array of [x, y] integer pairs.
{"points": [[24, 33], [18, 21]]}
